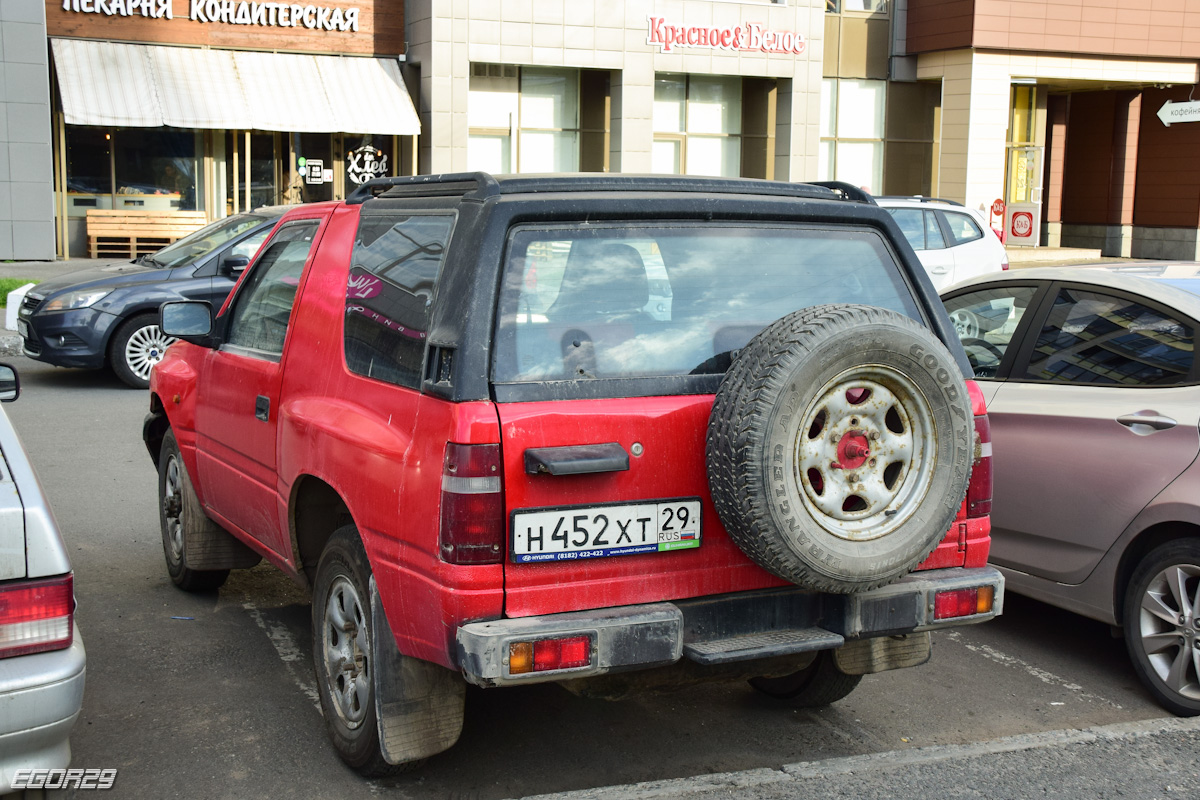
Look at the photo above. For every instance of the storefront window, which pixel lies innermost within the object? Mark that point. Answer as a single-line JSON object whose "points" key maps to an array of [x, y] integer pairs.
{"points": [[368, 156], [697, 125], [89, 169], [157, 169], [539, 106], [133, 169], [309, 175], [255, 167], [852, 115], [868, 6]]}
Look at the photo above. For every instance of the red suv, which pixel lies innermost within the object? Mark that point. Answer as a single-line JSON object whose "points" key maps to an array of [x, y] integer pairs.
{"points": [[612, 431]]}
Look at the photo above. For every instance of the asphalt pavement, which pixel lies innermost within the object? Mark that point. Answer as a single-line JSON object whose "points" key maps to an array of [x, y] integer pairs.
{"points": [[1153, 759]]}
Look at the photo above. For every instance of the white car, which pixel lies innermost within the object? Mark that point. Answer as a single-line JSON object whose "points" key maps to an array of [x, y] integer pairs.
{"points": [[42, 660], [953, 242]]}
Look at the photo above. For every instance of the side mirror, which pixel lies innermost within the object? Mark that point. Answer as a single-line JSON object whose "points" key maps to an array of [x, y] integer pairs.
{"points": [[190, 320], [10, 384], [233, 265]]}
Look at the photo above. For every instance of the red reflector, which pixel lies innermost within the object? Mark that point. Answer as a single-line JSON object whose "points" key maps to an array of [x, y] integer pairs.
{"points": [[958, 603], [472, 522], [562, 653], [36, 616]]}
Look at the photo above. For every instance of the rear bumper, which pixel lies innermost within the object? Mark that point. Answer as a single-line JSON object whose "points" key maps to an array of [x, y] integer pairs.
{"points": [[725, 628], [40, 699]]}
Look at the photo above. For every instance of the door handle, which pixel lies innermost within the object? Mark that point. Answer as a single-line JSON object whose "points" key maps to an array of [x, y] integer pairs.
{"points": [[1148, 419], [262, 408], [939, 270], [576, 459]]}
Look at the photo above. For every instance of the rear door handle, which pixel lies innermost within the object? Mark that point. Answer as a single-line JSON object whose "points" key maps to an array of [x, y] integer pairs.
{"points": [[576, 459], [1147, 418]]}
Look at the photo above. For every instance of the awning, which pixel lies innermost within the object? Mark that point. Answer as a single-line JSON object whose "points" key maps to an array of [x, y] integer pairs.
{"points": [[148, 86]]}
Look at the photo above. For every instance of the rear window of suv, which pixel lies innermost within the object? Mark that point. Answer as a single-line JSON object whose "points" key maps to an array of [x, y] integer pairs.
{"points": [[632, 301]]}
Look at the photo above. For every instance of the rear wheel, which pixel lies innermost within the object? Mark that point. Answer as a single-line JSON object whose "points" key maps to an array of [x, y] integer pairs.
{"points": [[1162, 616], [342, 654], [180, 516], [136, 347], [818, 684]]}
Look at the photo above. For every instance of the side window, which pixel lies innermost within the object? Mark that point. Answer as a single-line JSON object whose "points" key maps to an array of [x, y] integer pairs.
{"points": [[963, 229], [1092, 338], [986, 320], [933, 232], [389, 295], [912, 224], [264, 305], [248, 247]]}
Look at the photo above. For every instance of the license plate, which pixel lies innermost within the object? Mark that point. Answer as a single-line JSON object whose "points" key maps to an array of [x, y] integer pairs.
{"points": [[23, 328], [613, 529]]}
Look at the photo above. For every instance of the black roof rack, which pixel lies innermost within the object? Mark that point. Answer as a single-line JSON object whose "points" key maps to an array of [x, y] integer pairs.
{"points": [[481, 185]]}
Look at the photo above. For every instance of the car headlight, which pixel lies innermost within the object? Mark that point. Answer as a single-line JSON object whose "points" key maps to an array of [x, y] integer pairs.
{"points": [[73, 300]]}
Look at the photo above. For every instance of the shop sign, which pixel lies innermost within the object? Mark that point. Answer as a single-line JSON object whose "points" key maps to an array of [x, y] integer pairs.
{"points": [[1022, 224], [750, 37], [231, 12], [1179, 112], [365, 163]]}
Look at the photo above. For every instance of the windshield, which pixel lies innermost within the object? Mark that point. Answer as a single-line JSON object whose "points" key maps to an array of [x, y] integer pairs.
{"points": [[614, 301], [196, 246]]}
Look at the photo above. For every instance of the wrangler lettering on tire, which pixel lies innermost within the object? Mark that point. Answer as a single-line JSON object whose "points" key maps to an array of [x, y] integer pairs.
{"points": [[839, 447]]}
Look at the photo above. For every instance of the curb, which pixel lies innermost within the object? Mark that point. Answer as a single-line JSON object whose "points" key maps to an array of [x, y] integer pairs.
{"points": [[796, 774]]}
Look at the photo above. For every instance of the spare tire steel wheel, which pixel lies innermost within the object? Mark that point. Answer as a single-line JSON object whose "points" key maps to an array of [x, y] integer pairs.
{"points": [[839, 447]]}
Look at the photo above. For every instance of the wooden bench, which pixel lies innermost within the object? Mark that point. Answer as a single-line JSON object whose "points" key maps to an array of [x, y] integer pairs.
{"points": [[129, 234]]}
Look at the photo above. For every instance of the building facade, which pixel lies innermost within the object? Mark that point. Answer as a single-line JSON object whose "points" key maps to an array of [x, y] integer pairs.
{"points": [[190, 110], [1071, 121]]}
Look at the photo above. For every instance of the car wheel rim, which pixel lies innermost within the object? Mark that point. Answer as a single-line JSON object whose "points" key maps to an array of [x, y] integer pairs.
{"points": [[1167, 624], [146, 348], [965, 324], [346, 649], [172, 509], [865, 453]]}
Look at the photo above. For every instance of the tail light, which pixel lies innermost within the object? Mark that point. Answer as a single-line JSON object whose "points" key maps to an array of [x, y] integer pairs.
{"points": [[963, 602], [36, 616], [979, 492], [472, 524], [1004, 262], [544, 655]]}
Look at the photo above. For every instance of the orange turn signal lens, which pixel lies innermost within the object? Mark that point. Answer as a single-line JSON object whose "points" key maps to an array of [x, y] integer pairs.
{"points": [[987, 596], [520, 658]]}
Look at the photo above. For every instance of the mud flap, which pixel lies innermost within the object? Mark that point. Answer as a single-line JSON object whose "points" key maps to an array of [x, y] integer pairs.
{"points": [[419, 705], [881, 653], [206, 546]]}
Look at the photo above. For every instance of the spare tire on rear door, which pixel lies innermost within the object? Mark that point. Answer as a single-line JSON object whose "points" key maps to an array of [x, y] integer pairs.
{"points": [[840, 447]]}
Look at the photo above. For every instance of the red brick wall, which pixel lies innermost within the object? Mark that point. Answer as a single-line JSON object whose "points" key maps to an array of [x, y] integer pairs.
{"points": [[1168, 166], [1157, 28]]}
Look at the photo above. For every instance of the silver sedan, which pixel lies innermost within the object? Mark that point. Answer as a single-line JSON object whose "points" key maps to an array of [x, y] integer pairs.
{"points": [[1093, 392]]}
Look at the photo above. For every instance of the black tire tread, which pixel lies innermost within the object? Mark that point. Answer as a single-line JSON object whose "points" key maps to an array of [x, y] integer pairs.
{"points": [[736, 489], [192, 517], [817, 685]]}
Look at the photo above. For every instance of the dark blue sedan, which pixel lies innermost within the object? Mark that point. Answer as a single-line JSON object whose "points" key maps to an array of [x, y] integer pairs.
{"points": [[108, 315]]}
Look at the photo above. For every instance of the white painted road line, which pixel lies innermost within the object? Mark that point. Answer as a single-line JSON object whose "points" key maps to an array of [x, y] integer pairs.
{"points": [[285, 645], [876, 762]]}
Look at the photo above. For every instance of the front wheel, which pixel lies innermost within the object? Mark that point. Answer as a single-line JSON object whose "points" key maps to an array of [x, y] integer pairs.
{"points": [[817, 685], [136, 347], [180, 517], [342, 654], [1162, 613]]}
